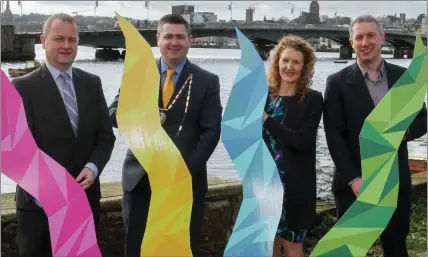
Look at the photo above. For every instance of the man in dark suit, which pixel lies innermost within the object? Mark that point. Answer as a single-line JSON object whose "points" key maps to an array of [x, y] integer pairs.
{"points": [[68, 117], [350, 96], [195, 132]]}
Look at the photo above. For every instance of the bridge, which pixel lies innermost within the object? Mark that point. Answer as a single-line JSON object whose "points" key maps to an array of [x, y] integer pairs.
{"points": [[264, 37]]}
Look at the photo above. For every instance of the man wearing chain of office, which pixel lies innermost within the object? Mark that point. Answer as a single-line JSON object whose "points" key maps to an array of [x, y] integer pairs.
{"points": [[190, 113]]}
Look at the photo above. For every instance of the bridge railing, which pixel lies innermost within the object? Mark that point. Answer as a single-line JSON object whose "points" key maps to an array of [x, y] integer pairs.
{"points": [[232, 25], [30, 28], [91, 27], [38, 29]]}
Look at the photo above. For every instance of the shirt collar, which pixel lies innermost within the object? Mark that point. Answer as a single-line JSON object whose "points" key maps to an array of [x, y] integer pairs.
{"points": [[177, 68], [381, 71], [55, 72]]}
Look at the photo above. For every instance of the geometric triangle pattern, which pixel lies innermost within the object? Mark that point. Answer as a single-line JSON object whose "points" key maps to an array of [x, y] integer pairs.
{"points": [[168, 222], [380, 138], [261, 207], [71, 223]]}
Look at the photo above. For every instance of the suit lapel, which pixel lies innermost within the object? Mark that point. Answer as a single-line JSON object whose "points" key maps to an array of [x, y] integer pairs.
{"points": [[392, 75], [183, 77], [160, 101], [357, 80], [52, 94]]}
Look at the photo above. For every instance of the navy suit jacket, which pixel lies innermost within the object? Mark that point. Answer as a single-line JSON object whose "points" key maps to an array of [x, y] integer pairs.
{"points": [[201, 129]]}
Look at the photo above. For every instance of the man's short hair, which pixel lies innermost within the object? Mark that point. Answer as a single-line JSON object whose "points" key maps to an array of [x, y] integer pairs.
{"points": [[59, 16], [173, 19], [365, 18]]}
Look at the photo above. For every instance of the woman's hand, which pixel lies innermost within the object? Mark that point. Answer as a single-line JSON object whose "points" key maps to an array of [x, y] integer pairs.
{"points": [[265, 116]]}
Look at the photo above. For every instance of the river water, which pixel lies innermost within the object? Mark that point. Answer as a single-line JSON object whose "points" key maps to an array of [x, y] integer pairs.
{"points": [[224, 63]]}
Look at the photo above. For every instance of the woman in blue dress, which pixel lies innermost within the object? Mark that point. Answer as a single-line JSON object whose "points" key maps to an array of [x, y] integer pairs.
{"points": [[291, 119]]}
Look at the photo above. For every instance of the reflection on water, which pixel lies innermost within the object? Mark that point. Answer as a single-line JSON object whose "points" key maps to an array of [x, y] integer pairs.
{"points": [[224, 63]]}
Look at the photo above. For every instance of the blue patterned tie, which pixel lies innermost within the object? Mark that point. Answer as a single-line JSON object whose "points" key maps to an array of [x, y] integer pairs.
{"points": [[70, 101]]}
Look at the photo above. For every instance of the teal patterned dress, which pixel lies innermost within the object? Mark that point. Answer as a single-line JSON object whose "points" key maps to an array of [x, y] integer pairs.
{"points": [[277, 109]]}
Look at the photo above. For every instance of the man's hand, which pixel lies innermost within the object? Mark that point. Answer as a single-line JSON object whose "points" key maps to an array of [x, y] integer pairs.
{"points": [[86, 178], [356, 186]]}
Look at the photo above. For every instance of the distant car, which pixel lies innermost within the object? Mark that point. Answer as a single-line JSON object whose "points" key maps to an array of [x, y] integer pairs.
{"points": [[309, 26]]}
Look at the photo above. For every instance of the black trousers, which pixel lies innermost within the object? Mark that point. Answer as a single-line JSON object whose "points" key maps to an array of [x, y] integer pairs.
{"points": [[393, 238], [33, 232], [135, 209]]}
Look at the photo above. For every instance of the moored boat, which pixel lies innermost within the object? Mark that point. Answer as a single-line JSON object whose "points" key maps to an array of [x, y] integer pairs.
{"points": [[29, 67], [340, 61]]}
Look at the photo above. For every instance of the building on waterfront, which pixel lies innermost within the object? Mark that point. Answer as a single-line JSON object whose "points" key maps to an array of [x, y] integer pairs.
{"points": [[324, 18], [402, 18], [189, 14], [311, 17], [6, 16], [336, 21], [183, 9], [424, 26], [249, 14], [203, 17], [314, 13], [303, 18], [392, 22]]}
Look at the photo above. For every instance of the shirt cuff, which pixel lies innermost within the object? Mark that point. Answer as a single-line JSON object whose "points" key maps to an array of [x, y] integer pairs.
{"points": [[93, 168], [352, 182]]}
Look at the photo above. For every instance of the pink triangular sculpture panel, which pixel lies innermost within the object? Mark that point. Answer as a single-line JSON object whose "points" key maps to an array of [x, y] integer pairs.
{"points": [[64, 201]]}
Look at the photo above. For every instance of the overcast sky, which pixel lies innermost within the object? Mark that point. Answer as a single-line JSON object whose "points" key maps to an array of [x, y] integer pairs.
{"points": [[137, 9]]}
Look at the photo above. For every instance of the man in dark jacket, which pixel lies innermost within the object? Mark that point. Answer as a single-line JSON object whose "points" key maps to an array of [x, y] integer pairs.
{"points": [[196, 140], [68, 117], [350, 96]]}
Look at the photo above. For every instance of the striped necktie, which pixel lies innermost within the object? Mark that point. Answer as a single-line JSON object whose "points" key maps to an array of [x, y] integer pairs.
{"points": [[70, 101]]}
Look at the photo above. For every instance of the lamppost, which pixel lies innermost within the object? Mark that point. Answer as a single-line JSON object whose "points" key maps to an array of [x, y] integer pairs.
{"points": [[20, 4], [230, 9], [292, 9], [335, 17], [146, 4], [95, 15]]}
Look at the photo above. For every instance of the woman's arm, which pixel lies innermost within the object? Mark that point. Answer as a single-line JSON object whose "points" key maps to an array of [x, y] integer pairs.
{"points": [[303, 137]]}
